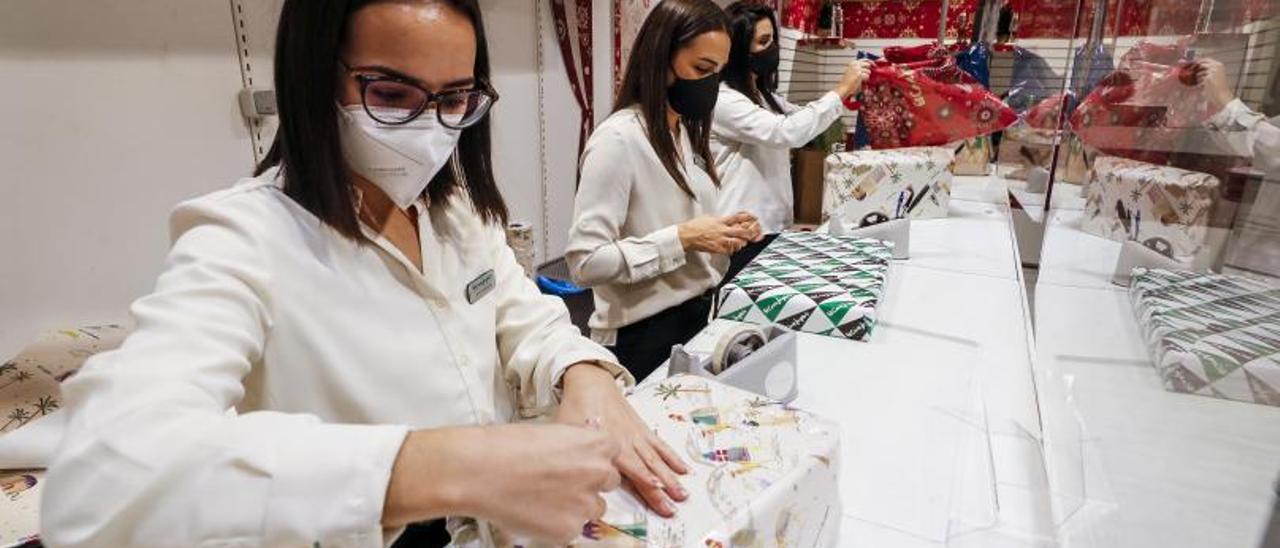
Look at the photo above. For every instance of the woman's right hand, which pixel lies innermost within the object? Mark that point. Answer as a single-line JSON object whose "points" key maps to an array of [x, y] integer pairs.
{"points": [[541, 481], [716, 235], [854, 75]]}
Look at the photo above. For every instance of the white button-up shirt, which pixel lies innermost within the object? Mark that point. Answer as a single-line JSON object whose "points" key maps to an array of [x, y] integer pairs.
{"points": [[752, 146], [329, 349], [624, 242]]}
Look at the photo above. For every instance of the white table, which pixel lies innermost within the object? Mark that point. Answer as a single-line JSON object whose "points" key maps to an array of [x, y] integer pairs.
{"points": [[940, 432], [1130, 463]]}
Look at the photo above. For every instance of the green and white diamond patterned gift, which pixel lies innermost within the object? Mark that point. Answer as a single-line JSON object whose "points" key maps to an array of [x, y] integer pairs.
{"points": [[816, 283], [1211, 334]]}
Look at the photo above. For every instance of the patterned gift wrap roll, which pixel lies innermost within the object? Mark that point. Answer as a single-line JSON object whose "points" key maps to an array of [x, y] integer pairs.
{"points": [[520, 238], [1165, 208], [762, 473], [1211, 334], [873, 186], [816, 283], [29, 381]]}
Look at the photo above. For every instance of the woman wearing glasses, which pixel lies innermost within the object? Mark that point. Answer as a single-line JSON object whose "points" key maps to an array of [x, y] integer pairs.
{"points": [[356, 303], [647, 235], [754, 128]]}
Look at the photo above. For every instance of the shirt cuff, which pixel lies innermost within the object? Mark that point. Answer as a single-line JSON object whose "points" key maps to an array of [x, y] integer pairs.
{"points": [[671, 252], [1227, 115], [347, 465]]}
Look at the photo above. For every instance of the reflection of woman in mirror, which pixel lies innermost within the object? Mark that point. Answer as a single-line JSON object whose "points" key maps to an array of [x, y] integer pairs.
{"points": [[754, 128], [14, 486]]}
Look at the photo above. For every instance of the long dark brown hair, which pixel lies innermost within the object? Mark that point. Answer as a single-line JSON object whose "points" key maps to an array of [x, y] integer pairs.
{"points": [[743, 17], [671, 25], [306, 146]]}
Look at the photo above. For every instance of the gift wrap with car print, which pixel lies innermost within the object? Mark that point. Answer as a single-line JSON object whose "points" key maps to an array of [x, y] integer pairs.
{"points": [[762, 474], [1211, 334], [811, 282], [1164, 208], [873, 186]]}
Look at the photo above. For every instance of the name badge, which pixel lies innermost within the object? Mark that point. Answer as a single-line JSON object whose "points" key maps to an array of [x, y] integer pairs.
{"points": [[481, 286]]}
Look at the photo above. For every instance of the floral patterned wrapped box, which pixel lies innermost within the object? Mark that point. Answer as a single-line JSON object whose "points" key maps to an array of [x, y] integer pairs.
{"points": [[762, 473], [873, 186], [1165, 208], [816, 283], [1211, 334]]}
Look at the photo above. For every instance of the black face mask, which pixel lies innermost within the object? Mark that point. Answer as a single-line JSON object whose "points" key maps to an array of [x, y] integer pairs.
{"points": [[765, 61], [694, 99]]}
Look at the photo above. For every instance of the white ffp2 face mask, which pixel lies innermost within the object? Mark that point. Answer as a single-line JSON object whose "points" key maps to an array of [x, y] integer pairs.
{"points": [[400, 159]]}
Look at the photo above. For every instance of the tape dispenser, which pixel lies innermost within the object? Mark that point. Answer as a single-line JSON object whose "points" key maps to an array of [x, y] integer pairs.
{"points": [[760, 359]]}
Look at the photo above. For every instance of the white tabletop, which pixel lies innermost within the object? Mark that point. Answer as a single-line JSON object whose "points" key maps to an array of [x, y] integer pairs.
{"points": [[1132, 464]]}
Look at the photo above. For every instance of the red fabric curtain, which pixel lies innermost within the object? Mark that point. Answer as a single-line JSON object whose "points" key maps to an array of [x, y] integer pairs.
{"points": [[573, 33]]}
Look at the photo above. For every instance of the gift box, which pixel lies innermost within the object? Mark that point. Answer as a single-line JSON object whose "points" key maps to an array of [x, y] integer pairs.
{"points": [[973, 157], [873, 186], [20, 507], [811, 282], [1211, 334], [762, 473], [1165, 208]]}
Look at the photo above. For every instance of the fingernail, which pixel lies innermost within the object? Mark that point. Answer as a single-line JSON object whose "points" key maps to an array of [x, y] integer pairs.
{"points": [[681, 492], [656, 482]]}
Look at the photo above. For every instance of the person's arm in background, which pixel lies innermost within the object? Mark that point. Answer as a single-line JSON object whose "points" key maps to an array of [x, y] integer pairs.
{"points": [[150, 457], [1239, 130], [739, 119], [598, 254]]}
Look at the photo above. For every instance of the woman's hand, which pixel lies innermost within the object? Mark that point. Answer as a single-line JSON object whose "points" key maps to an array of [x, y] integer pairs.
{"points": [[745, 220], [1212, 78], [718, 235], [854, 75], [647, 463], [539, 481]]}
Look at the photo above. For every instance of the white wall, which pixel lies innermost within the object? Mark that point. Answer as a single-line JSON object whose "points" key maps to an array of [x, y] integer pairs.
{"points": [[113, 111]]}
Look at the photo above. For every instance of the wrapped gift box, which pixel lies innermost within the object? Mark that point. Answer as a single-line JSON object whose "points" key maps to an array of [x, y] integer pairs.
{"points": [[29, 381], [762, 473], [1211, 334], [20, 507], [811, 282], [1165, 208], [872, 186], [973, 157]]}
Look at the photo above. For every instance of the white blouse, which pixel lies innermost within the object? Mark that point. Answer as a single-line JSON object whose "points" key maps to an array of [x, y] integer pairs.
{"points": [[624, 242], [752, 146], [330, 351]]}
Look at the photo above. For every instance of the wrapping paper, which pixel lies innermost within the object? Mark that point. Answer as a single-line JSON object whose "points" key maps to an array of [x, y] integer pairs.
{"points": [[1165, 208], [872, 186], [1142, 111], [1211, 334], [910, 19], [763, 474], [20, 507], [904, 107], [816, 283], [973, 157], [29, 381]]}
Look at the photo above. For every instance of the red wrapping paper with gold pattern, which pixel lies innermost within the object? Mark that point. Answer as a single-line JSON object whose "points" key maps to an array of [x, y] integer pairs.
{"points": [[906, 108]]}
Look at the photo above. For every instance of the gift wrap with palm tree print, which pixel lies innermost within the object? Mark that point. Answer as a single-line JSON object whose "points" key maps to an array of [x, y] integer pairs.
{"points": [[811, 282], [1211, 334], [868, 187], [1164, 208], [762, 474]]}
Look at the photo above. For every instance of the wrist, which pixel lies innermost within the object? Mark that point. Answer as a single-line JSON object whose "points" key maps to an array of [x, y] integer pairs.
{"points": [[424, 482], [843, 90], [584, 377]]}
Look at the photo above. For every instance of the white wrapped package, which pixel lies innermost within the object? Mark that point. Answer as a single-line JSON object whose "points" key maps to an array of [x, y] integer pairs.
{"points": [[873, 186], [762, 473], [1164, 208]]}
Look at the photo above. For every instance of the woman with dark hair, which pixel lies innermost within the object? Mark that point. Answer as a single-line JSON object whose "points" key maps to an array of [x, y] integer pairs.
{"points": [[646, 235], [754, 128], [356, 304]]}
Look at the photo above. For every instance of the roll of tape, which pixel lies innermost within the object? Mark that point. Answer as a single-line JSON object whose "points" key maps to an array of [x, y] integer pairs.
{"points": [[520, 238], [735, 344]]}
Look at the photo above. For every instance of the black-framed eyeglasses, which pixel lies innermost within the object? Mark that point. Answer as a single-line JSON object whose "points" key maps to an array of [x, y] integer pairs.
{"points": [[395, 101]]}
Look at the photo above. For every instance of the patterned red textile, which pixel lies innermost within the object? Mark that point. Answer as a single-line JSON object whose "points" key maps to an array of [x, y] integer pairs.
{"points": [[905, 108], [1044, 115], [1163, 54], [944, 70], [914, 54], [802, 15], [1142, 111], [1054, 18], [907, 18]]}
